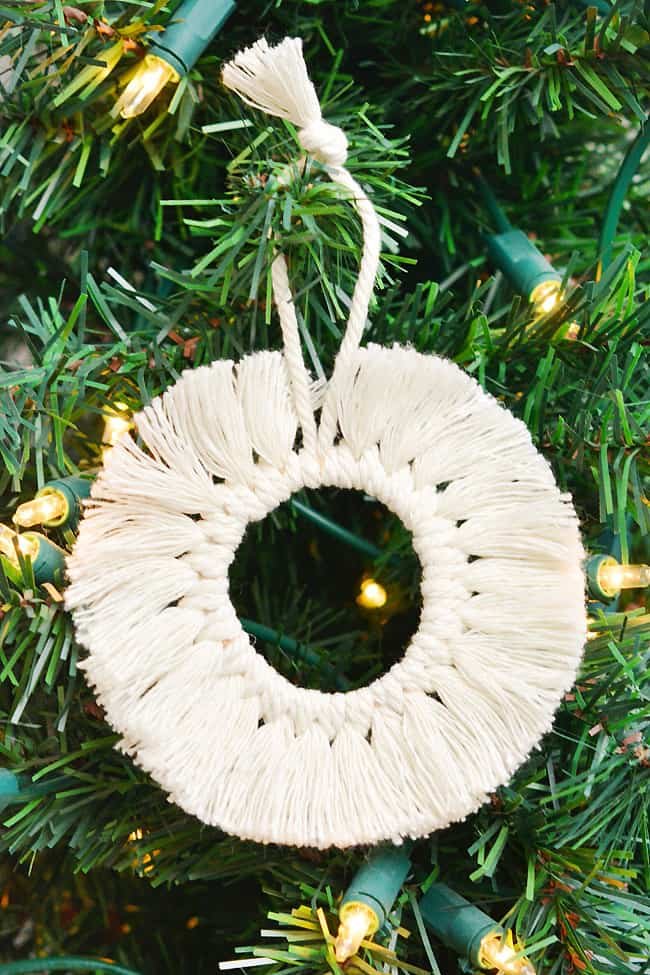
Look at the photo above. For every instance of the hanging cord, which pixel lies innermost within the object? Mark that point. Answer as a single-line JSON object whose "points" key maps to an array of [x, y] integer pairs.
{"points": [[620, 186], [361, 296], [275, 80], [298, 374]]}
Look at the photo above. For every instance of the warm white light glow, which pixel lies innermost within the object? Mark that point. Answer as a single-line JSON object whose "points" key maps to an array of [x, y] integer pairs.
{"points": [[358, 922], [151, 76], [142, 862], [572, 332], [28, 544], [546, 297], [498, 952], [115, 426], [42, 510], [7, 549], [612, 576], [372, 595]]}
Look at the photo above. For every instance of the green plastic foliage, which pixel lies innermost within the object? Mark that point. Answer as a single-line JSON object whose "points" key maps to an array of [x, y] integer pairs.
{"points": [[538, 70], [132, 252]]}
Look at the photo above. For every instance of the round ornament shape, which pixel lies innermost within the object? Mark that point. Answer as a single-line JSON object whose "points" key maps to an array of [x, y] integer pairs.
{"points": [[231, 740]]}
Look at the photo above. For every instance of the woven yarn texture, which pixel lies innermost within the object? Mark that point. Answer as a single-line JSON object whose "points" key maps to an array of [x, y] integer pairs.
{"points": [[232, 741]]}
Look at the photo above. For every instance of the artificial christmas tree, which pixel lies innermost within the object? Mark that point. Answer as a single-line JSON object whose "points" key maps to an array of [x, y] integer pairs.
{"points": [[138, 247]]}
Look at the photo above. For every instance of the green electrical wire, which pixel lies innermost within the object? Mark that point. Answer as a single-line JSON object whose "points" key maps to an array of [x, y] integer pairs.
{"points": [[618, 192], [63, 963], [301, 651], [335, 530], [501, 223]]}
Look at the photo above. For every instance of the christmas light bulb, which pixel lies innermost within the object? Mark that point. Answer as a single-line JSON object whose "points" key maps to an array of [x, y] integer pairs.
{"points": [[526, 268], [372, 595], [27, 544], [573, 332], [7, 549], [173, 52], [116, 424], [51, 506], [358, 922], [612, 576], [149, 79], [48, 560], [546, 296], [499, 953]]}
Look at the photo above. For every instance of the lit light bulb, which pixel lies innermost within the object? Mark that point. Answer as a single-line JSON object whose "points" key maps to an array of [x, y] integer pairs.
{"points": [[49, 507], [143, 862], [546, 296], [116, 424], [27, 544], [149, 79], [372, 595], [572, 332], [498, 952], [612, 576], [357, 922], [7, 549]]}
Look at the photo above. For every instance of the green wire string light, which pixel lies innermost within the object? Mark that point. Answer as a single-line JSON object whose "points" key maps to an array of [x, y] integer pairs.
{"points": [[369, 899], [56, 505], [47, 559], [173, 53], [513, 253], [607, 576], [471, 933]]}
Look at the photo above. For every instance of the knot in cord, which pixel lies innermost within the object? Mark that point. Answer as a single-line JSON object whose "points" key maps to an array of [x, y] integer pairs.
{"points": [[275, 80], [326, 142]]}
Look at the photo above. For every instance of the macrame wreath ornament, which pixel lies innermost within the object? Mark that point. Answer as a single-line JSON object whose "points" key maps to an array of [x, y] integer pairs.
{"points": [[502, 623]]}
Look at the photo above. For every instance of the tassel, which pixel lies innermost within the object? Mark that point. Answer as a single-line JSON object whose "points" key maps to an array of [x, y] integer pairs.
{"points": [[275, 81]]}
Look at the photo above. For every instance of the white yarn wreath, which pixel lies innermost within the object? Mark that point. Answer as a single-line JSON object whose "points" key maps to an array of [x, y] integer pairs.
{"points": [[502, 623]]}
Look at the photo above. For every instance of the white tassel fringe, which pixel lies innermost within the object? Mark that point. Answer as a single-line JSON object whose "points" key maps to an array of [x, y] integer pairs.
{"points": [[502, 625], [275, 80], [503, 619]]}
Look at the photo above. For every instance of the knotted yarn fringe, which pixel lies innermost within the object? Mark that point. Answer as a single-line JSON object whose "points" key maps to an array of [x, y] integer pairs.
{"points": [[233, 742], [275, 80]]}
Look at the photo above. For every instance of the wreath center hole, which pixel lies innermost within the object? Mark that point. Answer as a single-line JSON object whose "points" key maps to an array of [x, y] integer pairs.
{"points": [[326, 614]]}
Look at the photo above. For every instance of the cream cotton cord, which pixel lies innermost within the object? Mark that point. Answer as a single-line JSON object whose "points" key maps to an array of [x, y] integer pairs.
{"points": [[503, 618]]}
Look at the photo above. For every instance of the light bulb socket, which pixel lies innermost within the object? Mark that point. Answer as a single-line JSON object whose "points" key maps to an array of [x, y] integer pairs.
{"points": [[9, 788], [378, 881], [193, 25], [18, 788], [73, 489], [48, 564], [525, 267], [595, 580], [456, 922]]}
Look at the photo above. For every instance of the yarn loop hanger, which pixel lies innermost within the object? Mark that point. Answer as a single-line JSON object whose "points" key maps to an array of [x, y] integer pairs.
{"points": [[275, 80]]}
